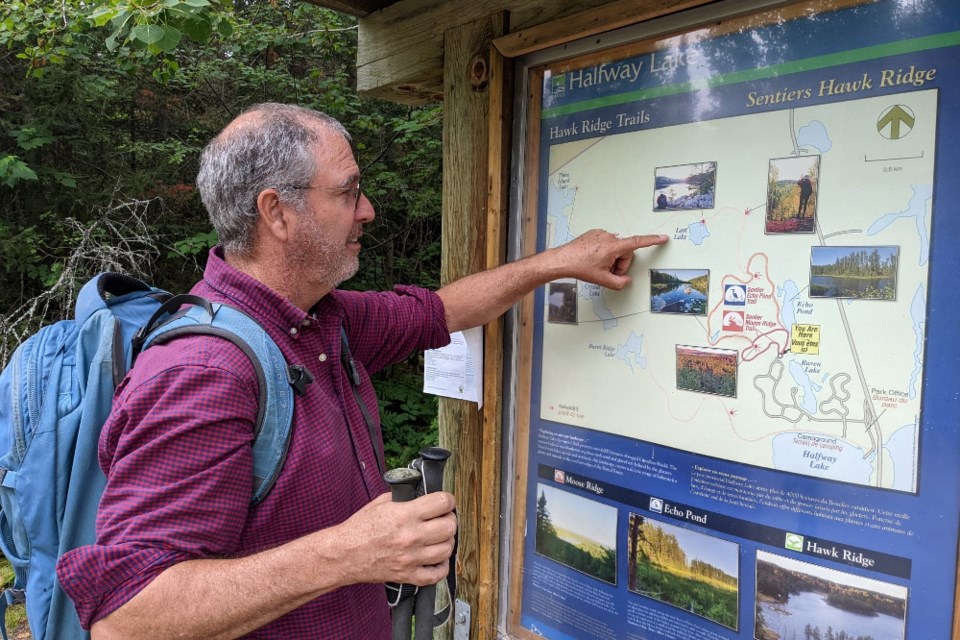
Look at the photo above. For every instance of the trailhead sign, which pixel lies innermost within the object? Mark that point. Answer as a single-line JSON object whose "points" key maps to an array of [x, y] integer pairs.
{"points": [[758, 437]]}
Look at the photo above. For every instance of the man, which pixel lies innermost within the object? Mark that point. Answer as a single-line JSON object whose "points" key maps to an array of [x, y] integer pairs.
{"points": [[806, 190], [179, 551]]}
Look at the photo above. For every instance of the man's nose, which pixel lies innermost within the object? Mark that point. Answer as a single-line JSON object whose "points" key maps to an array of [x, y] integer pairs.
{"points": [[364, 212]]}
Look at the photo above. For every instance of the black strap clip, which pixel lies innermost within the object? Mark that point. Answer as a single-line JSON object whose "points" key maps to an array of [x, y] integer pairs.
{"points": [[299, 377]]}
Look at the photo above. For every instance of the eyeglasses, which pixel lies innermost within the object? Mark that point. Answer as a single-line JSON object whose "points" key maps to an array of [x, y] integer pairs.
{"points": [[354, 191]]}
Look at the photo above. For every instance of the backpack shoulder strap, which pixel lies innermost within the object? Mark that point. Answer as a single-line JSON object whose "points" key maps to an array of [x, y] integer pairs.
{"points": [[275, 404], [353, 375]]}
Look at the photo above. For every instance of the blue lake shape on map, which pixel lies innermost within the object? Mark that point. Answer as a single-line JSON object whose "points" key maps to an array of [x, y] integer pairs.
{"points": [[918, 313], [632, 347], [788, 294], [850, 466], [698, 233], [594, 293], [900, 445], [559, 202], [809, 387], [916, 209], [814, 135]]}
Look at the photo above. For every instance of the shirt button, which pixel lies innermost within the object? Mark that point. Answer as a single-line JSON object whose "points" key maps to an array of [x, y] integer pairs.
{"points": [[306, 322], [322, 357], [363, 465], [293, 331]]}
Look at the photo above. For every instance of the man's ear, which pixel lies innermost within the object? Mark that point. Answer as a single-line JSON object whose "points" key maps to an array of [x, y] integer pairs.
{"points": [[275, 216]]}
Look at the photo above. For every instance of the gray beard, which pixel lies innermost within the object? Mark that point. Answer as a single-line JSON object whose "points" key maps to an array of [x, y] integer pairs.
{"points": [[317, 257]]}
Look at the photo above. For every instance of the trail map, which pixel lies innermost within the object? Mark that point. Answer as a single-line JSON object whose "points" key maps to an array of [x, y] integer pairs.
{"points": [[783, 324]]}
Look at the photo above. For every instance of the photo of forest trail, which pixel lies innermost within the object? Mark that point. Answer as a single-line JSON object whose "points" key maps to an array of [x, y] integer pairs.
{"points": [[707, 370], [689, 570], [792, 186], [563, 520], [802, 601]]}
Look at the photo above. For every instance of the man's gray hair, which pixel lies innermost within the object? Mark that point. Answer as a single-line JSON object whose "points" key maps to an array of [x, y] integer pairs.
{"points": [[270, 145]]}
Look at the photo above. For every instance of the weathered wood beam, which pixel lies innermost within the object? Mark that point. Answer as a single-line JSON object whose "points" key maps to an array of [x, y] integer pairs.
{"points": [[498, 203], [466, 152], [589, 23], [400, 53], [359, 8]]}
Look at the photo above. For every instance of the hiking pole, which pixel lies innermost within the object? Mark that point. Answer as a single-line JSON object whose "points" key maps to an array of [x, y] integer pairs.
{"points": [[431, 463], [403, 487]]}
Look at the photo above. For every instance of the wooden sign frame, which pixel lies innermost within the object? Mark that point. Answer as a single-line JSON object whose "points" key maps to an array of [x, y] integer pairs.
{"points": [[923, 571]]}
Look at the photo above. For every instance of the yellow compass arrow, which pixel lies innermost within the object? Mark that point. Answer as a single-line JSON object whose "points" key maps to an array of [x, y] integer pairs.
{"points": [[894, 117]]}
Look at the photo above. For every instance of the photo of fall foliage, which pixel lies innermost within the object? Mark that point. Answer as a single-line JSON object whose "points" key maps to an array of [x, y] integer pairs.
{"points": [[707, 370]]}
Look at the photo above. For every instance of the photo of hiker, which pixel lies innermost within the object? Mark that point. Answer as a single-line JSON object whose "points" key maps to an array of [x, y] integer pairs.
{"points": [[577, 532], [684, 568], [562, 302], [792, 194], [685, 186]]}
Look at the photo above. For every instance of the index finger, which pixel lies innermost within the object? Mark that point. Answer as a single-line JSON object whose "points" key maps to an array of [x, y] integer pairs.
{"points": [[633, 243]]}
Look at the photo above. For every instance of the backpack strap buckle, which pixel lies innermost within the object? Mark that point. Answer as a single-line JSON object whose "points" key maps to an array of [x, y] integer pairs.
{"points": [[299, 377]]}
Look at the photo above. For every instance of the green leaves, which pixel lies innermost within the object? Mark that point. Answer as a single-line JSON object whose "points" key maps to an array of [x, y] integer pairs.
{"points": [[13, 170], [148, 33], [408, 417], [157, 28], [194, 245], [31, 137]]}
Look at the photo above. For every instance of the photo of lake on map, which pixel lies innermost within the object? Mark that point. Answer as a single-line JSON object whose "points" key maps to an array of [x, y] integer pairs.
{"points": [[690, 570], [686, 186], [679, 291], [577, 532], [864, 273], [803, 600], [707, 370]]}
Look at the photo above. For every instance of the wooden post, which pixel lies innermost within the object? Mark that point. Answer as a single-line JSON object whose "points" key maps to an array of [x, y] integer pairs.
{"points": [[473, 436]]}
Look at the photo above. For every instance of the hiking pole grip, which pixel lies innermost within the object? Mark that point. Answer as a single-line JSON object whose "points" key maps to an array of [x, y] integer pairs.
{"points": [[432, 462], [403, 488]]}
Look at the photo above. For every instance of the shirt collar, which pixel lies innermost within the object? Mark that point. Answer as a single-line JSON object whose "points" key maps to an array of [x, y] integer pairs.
{"points": [[255, 298]]}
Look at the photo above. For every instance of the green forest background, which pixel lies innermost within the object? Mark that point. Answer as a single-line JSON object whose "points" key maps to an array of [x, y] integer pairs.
{"points": [[104, 109]]}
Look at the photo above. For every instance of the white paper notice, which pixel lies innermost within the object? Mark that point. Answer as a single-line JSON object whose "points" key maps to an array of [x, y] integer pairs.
{"points": [[456, 370]]}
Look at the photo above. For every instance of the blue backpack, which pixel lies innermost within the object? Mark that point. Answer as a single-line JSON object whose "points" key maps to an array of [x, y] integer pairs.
{"points": [[55, 395]]}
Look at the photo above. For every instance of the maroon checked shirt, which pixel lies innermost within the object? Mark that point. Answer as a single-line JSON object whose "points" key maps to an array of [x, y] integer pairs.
{"points": [[177, 455]]}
